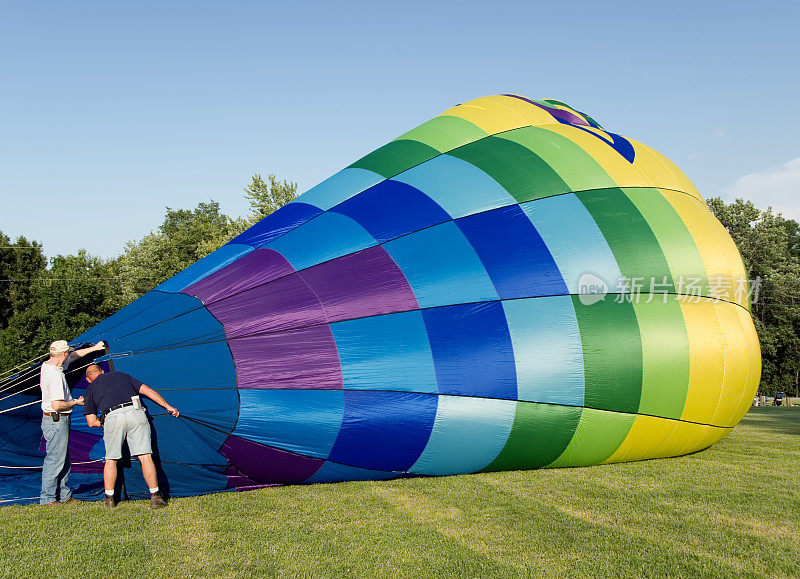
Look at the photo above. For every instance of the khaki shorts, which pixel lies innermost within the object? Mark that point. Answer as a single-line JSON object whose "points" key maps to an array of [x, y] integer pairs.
{"points": [[126, 424]]}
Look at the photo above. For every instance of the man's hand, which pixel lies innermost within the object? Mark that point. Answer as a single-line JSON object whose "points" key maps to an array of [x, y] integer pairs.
{"points": [[62, 405], [158, 399], [92, 420], [99, 346]]}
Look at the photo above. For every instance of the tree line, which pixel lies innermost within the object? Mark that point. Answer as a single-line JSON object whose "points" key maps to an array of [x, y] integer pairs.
{"points": [[43, 299]]}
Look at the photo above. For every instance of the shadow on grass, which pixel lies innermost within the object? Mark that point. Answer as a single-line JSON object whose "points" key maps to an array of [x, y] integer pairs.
{"points": [[778, 419]]}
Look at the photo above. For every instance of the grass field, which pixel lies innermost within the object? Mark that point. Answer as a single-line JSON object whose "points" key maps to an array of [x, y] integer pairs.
{"points": [[731, 510]]}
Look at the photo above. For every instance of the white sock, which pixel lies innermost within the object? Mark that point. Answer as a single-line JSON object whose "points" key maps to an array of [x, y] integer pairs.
{"points": [[110, 493], [155, 490]]}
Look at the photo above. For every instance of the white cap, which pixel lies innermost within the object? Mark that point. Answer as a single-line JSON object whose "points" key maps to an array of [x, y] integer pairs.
{"points": [[59, 347]]}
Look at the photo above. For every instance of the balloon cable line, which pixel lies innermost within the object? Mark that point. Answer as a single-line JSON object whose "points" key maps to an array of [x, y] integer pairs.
{"points": [[214, 427], [456, 395], [10, 385], [557, 123], [324, 323], [11, 382], [20, 406], [21, 499], [211, 426], [32, 372], [451, 220], [40, 468], [36, 385], [17, 380], [22, 366]]}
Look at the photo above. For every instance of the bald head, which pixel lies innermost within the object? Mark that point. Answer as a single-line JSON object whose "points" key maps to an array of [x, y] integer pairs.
{"points": [[92, 372]]}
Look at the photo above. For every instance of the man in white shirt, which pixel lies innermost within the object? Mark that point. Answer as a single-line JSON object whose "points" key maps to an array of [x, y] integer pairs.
{"points": [[57, 405]]}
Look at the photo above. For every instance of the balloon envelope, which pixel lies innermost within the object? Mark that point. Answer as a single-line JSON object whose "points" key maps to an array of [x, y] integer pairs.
{"points": [[507, 286]]}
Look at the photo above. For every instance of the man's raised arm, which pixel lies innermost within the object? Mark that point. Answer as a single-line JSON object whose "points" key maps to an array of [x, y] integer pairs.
{"points": [[83, 351]]}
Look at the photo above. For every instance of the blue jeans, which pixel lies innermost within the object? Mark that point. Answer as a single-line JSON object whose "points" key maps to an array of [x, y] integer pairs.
{"points": [[56, 467]]}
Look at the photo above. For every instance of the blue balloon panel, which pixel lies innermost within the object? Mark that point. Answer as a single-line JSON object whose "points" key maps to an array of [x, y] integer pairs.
{"points": [[518, 261], [441, 266], [384, 430], [462, 334]]}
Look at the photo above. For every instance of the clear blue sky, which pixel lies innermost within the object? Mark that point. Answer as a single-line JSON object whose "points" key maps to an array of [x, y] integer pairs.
{"points": [[111, 111]]}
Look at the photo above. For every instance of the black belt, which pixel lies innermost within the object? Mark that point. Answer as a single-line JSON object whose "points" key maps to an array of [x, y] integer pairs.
{"points": [[118, 406]]}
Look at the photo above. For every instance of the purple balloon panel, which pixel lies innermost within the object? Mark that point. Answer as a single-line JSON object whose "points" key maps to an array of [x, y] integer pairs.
{"points": [[264, 464], [283, 304], [297, 359], [80, 447], [366, 283], [253, 269]]}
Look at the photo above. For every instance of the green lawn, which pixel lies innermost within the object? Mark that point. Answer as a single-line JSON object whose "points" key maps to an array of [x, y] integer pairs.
{"points": [[731, 510]]}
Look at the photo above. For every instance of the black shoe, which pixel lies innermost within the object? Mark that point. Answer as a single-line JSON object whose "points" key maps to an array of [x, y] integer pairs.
{"points": [[109, 502], [157, 501]]}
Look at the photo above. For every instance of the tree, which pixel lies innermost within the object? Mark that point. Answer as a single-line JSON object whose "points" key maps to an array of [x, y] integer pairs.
{"points": [[39, 305], [184, 237], [77, 292], [268, 197], [21, 264]]}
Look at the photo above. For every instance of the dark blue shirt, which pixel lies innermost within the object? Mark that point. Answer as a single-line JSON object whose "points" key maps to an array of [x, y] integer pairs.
{"points": [[108, 390]]}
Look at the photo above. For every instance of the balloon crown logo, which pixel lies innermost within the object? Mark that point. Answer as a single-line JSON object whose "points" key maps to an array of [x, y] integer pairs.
{"points": [[564, 113]]}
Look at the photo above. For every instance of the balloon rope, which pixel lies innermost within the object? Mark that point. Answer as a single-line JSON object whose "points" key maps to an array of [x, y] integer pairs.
{"points": [[21, 365], [205, 304], [11, 385], [27, 375], [32, 386], [20, 406], [40, 468], [21, 499], [202, 423], [270, 332], [19, 392]]}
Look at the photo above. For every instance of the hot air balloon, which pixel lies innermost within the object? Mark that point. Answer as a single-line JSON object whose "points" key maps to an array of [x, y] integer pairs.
{"points": [[506, 286]]}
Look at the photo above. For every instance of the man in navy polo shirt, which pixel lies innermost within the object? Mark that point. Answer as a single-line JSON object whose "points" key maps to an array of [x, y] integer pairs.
{"points": [[112, 394]]}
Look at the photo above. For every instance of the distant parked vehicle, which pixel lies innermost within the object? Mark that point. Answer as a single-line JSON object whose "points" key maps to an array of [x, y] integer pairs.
{"points": [[778, 400]]}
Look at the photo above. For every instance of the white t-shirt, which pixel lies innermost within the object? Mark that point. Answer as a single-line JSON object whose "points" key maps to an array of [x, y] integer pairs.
{"points": [[54, 387]]}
